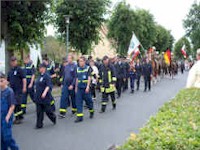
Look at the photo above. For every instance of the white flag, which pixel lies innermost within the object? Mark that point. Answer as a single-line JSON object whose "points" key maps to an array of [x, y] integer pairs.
{"points": [[133, 44]]}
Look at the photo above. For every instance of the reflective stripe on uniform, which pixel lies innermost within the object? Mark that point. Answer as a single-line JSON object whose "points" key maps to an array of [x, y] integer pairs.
{"points": [[109, 77], [83, 81], [18, 113], [111, 89], [80, 115], [28, 76], [63, 110], [52, 102], [74, 109], [104, 103], [114, 78], [81, 71], [92, 110], [23, 105]]}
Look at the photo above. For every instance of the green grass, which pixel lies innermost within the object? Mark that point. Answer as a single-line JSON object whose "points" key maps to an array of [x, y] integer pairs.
{"points": [[175, 127]]}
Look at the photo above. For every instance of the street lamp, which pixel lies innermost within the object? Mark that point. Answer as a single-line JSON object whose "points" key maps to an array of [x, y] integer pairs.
{"points": [[67, 19]]}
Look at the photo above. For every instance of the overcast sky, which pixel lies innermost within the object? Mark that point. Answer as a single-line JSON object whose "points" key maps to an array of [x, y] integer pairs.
{"points": [[169, 13]]}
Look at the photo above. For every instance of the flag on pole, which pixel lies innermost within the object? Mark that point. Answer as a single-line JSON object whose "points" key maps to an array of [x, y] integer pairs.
{"points": [[133, 44], [183, 51], [167, 57]]}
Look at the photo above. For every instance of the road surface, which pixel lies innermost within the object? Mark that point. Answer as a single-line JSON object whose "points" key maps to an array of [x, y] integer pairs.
{"points": [[111, 128]]}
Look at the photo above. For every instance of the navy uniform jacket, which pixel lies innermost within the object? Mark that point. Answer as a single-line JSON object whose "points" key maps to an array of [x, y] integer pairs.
{"points": [[83, 75], [69, 75], [15, 77], [50, 70], [42, 82], [7, 99], [29, 71], [147, 69], [138, 69], [127, 67], [120, 71]]}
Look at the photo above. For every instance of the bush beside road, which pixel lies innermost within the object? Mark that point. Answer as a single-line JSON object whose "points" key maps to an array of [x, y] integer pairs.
{"points": [[176, 126]]}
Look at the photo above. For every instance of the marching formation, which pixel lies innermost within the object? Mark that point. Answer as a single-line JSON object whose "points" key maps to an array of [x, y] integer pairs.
{"points": [[80, 80]]}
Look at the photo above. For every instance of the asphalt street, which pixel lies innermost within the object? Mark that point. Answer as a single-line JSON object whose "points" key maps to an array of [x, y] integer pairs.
{"points": [[111, 128]]}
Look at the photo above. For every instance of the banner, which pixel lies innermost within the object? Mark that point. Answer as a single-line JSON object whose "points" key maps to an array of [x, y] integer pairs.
{"points": [[133, 44], [183, 51]]}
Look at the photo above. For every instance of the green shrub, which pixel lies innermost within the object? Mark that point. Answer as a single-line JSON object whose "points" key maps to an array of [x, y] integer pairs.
{"points": [[175, 127]]}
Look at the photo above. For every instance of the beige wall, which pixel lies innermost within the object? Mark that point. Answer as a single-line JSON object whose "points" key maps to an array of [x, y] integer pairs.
{"points": [[104, 46]]}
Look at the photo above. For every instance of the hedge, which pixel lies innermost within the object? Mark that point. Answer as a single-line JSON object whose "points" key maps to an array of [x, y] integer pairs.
{"points": [[176, 126]]}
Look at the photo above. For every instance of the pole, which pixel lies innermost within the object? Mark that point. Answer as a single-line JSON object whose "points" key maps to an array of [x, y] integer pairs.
{"points": [[67, 39]]}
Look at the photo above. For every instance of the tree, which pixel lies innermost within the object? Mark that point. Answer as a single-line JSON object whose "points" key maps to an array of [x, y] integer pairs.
{"points": [[164, 39], [120, 27], [23, 22], [54, 48], [86, 19], [145, 28], [179, 44], [192, 26], [124, 21]]}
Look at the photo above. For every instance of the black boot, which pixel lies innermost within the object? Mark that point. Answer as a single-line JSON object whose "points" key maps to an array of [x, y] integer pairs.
{"points": [[91, 115], [78, 119], [103, 109], [114, 106]]}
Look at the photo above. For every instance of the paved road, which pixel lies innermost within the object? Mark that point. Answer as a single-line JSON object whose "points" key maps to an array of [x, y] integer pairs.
{"points": [[113, 127]]}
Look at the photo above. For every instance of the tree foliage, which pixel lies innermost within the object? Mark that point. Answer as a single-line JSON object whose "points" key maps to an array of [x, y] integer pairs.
{"points": [[120, 26], [179, 44], [25, 21], [192, 25], [125, 20], [164, 39], [54, 48], [86, 20]]}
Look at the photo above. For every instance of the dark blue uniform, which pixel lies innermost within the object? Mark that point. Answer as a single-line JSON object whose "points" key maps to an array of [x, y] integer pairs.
{"points": [[147, 72], [138, 68], [15, 77], [50, 71], [82, 76], [6, 100], [29, 70], [132, 75], [69, 78], [43, 104], [127, 68], [120, 74]]}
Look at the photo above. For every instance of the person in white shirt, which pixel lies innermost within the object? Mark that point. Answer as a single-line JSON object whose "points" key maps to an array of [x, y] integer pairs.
{"points": [[193, 80], [94, 79]]}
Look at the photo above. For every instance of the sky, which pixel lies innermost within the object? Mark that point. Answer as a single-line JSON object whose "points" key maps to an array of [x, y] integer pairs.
{"points": [[168, 13]]}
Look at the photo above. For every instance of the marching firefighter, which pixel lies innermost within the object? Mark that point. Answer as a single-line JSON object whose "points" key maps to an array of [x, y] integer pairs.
{"points": [[82, 89], [30, 77], [107, 81], [43, 97], [68, 88], [17, 80], [138, 68], [120, 74], [51, 72], [147, 73], [132, 75]]}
